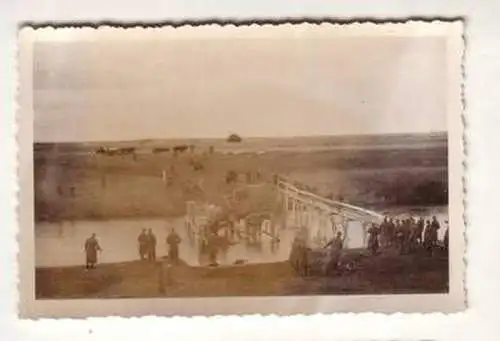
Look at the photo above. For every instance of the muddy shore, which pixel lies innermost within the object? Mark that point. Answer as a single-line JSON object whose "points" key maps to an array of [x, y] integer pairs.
{"points": [[382, 274]]}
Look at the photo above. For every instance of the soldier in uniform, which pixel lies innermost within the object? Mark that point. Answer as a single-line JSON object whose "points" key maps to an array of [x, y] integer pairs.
{"points": [[91, 248], [151, 238], [173, 241], [373, 240], [143, 244]]}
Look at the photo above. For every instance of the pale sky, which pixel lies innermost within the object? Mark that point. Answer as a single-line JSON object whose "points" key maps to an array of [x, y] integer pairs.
{"points": [[163, 88]]}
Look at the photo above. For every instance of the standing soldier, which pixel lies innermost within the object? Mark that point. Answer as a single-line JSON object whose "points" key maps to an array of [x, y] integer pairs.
{"points": [[373, 242], [434, 231], [335, 250], [143, 244], [91, 248], [420, 230], [151, 245], [173, 241], [391, 231], [428, 236], [212, 247], [385, 233], [406, 228], [398, 234]]}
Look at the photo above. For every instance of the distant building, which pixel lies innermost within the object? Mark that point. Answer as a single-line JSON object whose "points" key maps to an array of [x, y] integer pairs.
{"points": [[234, 138]]}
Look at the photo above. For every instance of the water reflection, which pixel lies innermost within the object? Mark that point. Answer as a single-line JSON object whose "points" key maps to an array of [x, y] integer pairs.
{"points": [[61, 244]]}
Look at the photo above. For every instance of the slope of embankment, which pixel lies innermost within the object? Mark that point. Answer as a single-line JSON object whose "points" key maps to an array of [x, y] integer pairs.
{"points": [[383, 274]]}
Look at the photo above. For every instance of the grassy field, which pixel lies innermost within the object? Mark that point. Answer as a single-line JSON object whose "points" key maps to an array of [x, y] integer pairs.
{"points": [[69, 184], [382, 274]]}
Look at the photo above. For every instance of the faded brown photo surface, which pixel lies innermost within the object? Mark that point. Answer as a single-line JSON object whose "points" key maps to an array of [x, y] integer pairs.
{"points": [[244, 162]]}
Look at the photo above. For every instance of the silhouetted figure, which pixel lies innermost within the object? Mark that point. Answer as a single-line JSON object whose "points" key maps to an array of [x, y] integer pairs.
{"points": [[373, 239], [173, 241], [407, 225], [414, 237], [435, 227], [91, 249], [151, 238], [212, 248], [433, 233], [143, 244], [334, 252], [420, 230], [384, 233], [391, 230], [428, 236]]}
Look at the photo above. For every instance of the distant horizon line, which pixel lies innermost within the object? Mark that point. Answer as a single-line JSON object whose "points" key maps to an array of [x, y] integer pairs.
{"points": [[439, 132]]}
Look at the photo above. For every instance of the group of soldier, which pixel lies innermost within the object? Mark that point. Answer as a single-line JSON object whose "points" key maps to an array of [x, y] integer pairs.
{"points": [[147, 245], [407, 235]]}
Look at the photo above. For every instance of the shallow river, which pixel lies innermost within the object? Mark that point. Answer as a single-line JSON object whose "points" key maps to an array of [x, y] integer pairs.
{"points": [[61, 244]]}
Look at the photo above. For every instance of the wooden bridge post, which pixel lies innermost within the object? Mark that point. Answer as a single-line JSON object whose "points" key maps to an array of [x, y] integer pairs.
{"points": [[345, 226], [365, 234], [310, 212], [297, 214], [314, 224], [324, 223]]}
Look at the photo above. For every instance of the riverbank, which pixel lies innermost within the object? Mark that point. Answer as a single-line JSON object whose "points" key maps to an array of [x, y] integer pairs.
{"points": [[382, 274]]}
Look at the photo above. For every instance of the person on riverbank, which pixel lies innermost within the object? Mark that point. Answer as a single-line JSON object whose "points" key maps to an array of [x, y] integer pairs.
{"points": [[212, 248], [335, 248], [427, 236], [173, 241], [431, 234], [391, 232], [413, 237], [91, 248], [373, 239], [384, 237], [420, 230], [143, 244], [151, 245]]}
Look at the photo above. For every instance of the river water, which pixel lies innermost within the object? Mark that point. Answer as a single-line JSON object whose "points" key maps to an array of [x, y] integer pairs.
{"points": [[61, 244]]}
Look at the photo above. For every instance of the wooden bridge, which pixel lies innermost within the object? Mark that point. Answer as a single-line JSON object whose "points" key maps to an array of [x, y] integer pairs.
{"points": [[321, 217]]}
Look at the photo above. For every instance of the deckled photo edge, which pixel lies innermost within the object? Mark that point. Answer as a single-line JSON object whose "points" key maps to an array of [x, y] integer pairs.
{"points": [[27, 35]]}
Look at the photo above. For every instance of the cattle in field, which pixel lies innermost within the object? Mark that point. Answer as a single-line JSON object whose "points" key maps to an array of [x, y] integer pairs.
{"points": [[160, 150], [115, 151], [126, 151], [106, 151], [180, 148]]}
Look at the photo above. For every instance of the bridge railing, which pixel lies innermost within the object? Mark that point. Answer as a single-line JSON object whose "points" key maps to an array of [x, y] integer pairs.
{"points": [[338, 206]]}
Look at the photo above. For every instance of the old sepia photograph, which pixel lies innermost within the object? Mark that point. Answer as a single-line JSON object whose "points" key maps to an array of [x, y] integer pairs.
{"points": [[241, 164]]}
